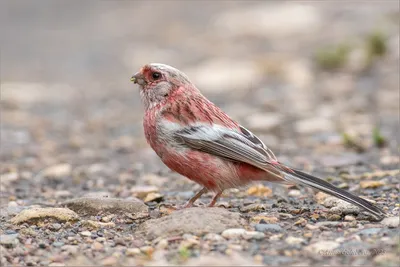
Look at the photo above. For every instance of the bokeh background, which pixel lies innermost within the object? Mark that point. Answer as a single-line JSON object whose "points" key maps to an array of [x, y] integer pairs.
{"points": [[318, 81]]}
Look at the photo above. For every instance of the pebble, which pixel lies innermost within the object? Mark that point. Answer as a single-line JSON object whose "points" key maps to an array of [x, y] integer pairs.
{"points": [[253, 235], [157, 197], [291, 240], [294, 193], [142, 191], [272, 228], [85, 233], [391, 222], [55, 226], [9, 241], [266, 219], [255, 207], [371, 184], [349, 218], [234, 233]]}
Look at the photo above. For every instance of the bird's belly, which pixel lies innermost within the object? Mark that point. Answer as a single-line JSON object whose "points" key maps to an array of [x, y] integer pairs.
{"points": [[210, 171]]}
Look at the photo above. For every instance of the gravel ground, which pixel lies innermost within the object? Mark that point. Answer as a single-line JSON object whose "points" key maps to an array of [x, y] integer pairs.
{"points": [[317, 81]]}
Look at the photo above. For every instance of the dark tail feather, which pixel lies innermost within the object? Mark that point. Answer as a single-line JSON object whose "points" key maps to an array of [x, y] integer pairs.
{"points": [[317, 183]]}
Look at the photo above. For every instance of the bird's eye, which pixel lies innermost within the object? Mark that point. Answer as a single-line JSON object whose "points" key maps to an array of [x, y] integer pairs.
{"points": [[156, 75]]}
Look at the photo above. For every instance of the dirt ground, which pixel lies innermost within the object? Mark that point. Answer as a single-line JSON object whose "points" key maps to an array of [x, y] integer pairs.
{"points": [[317, 81]]}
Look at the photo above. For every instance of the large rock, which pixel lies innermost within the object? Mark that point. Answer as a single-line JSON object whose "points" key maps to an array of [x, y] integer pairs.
{"points": [[104, 205], [192, 220]]}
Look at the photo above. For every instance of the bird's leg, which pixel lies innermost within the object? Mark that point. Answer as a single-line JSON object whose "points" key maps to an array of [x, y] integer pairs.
{"points": [[195, 197], [214, 199]]}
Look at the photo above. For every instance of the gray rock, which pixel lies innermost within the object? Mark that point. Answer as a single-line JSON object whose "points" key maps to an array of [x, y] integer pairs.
{"points": [[193, 220], [97, 206], [272, 228], [9, 241]]}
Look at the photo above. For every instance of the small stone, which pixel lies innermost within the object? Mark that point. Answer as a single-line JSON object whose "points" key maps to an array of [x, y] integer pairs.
{"points": [[349, 218], [391, 222], [291, 240], [142, 191], [276, 237], [57, 171], [334, 217], [294, 193], [301, 222], [85, 233], [338, 206], [9, 241], [55, 226], [272, 228], [267, 219], [97, 225], [233, 233], [60, 214], [259, 191], [253, 235], [132, 251], [371, 184], [322, 246], [255, 207], [153, 197], [320, 197]]}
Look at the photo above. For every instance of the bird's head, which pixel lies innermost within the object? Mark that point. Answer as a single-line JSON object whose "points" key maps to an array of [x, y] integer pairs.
{"points": [[158, 81]]}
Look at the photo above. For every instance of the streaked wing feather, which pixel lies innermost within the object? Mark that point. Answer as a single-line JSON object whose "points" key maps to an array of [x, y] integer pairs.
{"points": [[226, 143]]}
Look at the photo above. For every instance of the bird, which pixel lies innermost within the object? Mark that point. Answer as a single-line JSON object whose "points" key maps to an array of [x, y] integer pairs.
{"points": [[195, 138]]}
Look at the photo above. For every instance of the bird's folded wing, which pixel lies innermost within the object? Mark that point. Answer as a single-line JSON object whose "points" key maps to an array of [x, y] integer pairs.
{"points": [[227, 143]]}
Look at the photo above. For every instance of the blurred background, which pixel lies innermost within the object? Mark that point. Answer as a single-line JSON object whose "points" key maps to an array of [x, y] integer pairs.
{"points": [[317, 80]]}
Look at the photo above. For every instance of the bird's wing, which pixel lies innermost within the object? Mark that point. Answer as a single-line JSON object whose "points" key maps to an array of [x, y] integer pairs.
{"points": [[224, 142]]}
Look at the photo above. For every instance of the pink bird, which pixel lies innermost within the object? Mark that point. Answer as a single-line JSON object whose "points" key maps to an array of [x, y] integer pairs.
{"points": [[196, 139]]}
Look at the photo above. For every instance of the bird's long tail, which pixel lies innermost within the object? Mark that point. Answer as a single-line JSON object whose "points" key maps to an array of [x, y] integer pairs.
{"points": [[299, 177]]}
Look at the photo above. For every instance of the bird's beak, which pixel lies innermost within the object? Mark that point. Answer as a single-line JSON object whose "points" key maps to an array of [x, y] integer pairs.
{"points": [[138, 78]]}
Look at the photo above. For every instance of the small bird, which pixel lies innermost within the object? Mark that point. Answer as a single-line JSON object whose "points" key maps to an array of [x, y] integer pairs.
{"points": [[196, 139]]}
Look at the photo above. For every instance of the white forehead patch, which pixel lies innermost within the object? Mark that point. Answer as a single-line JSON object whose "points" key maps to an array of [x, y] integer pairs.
{"points": [[161, 66]]}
